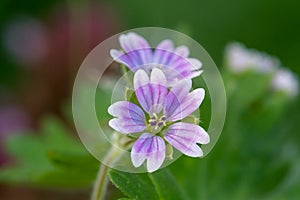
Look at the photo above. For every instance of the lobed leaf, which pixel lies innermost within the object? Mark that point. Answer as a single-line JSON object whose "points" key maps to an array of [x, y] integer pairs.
{"points": [[158, 185]]}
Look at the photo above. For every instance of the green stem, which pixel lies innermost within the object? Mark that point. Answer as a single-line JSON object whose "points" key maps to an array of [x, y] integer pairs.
{"points": [[119, 142], [125, 74], [101, 183]]}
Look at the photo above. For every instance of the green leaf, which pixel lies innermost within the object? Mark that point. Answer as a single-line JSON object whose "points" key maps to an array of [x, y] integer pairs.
{"points": [[158, 185], [125, 199], [249, 87], [102, 102], [67, 179], [52, 158], [166, 185], [137, 186], [74, 161]]}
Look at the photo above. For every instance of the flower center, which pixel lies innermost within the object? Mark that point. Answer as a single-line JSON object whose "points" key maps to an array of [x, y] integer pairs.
{"points": [[157, 122]]}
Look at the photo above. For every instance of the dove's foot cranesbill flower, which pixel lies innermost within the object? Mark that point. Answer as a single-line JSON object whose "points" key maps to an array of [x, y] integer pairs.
{"points": [[157, 119], [137, 54]]}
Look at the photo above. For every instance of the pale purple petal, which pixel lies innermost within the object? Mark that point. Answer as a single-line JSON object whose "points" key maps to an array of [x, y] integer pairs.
{"points": [[182, 51], [172, 76], [120, 57], [184, 137], [166, 45], [158, 154], [115, 54], [195, 63], [158, 77], [176, 65], [150, 93], [169, 61], [139, 151], [163, 52], [140, 79], [195, 74], [176, 95], [134, 60], [137, 52], [133, 41], [176, 108], [148, 147], [193, 151], [186, 67], [193, 132], [174, 62], [182, 88], [125, 126], [166, 58], [137, 46], [171, 105], [127, 59], [130, 118], [151, 97]]}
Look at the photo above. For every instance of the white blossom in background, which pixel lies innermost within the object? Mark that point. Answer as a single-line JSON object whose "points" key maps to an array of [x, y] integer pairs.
{"points": [[241, 59], [286, 81]]}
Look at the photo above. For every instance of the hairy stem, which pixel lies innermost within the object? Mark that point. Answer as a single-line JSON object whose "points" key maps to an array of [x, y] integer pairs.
{"points": [[114, 153], [101, 183]]}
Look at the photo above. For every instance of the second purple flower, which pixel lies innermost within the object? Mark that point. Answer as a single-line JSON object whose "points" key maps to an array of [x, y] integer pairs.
{"points": [[175, 63]]}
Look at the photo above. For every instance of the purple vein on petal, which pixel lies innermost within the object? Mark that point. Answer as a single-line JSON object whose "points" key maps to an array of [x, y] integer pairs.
{"points": [[130, 117]]}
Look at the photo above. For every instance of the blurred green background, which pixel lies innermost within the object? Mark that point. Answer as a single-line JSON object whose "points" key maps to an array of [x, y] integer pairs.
{"points": [[42, 44]]}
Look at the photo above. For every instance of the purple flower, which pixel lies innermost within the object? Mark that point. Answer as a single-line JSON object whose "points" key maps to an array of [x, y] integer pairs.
{"points": [[137, 54], [158, 119]]}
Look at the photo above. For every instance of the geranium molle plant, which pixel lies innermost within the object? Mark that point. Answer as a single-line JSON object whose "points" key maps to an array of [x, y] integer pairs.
{"points": [[175, 63], [157, 119]]}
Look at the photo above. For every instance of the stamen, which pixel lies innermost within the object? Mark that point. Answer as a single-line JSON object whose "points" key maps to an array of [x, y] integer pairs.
{"points": [[160, 124], [163, 118], [154, 123], [152, 120], [157, 122]]}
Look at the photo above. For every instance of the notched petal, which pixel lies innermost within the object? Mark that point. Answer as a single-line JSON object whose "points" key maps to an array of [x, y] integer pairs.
{"points": [[166, 45], [182, 51], [187, 105], [158, 77], [150, 148], [158, 154], [195, 63], [130, 117], [140, 79], [185, 136]]}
